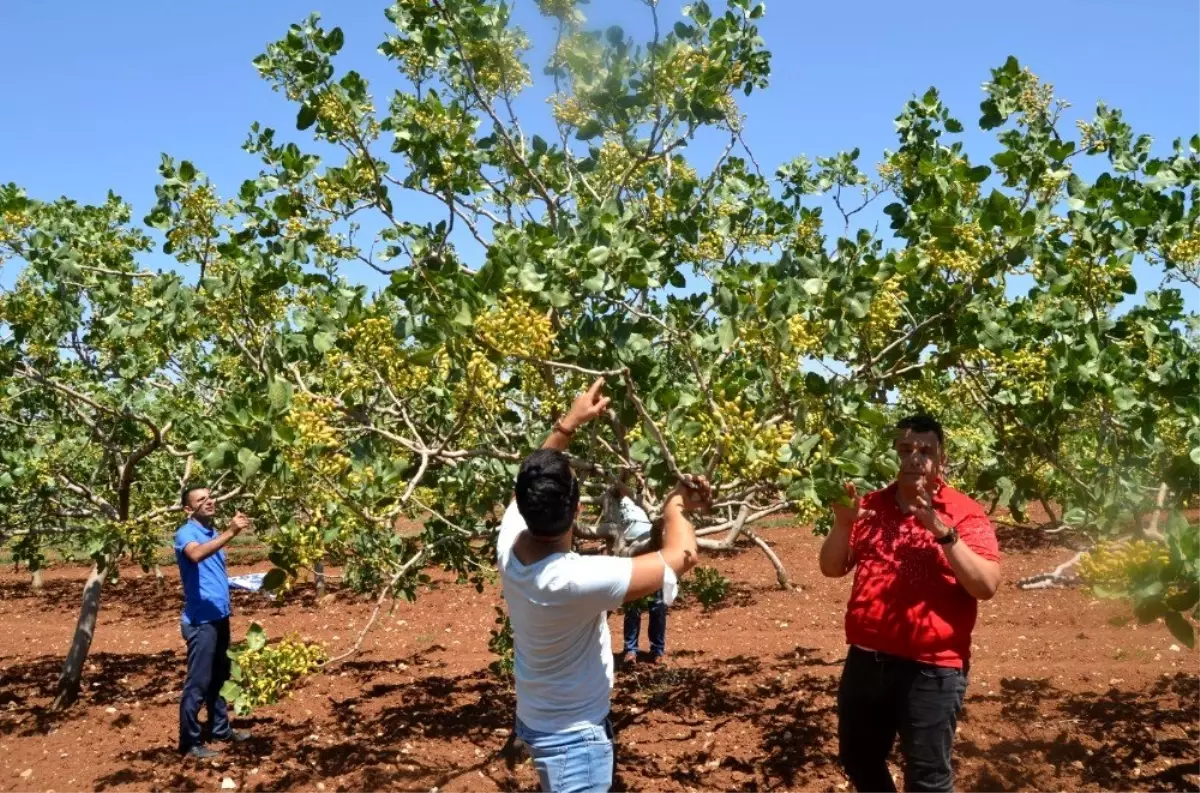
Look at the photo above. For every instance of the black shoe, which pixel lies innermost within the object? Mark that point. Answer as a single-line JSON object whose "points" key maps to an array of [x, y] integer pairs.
{"points": [[201, 752], [235, 736]]}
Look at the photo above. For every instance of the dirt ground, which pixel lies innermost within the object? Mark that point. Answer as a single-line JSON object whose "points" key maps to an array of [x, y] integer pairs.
{"points": [[1065, 692]]}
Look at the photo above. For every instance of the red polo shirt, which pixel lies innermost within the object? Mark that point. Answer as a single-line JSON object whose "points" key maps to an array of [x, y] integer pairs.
{"points": [[905, 600]]}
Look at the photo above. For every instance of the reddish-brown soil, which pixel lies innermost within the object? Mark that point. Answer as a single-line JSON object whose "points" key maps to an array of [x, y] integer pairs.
{"points": [[1065, 692]]}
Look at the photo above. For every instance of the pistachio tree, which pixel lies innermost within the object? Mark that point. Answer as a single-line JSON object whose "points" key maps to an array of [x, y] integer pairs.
{"points": [[763, 327], [750, 325], [98, 378]]}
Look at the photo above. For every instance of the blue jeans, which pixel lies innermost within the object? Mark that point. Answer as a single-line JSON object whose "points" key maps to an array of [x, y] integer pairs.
{"points": [[576, 761], [658, 626], [207, 670], [882, 696]]}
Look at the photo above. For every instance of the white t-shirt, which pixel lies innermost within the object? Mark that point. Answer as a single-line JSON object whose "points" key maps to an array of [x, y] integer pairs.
{"points": [[637, 522], [562, 651]]}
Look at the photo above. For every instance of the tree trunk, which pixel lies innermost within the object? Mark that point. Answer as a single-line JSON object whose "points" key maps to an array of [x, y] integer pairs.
{"points": [[781, 575], [159, 583], [81, 642], [1153, 532], [1054, 521], [36, 582], [319, 576]]}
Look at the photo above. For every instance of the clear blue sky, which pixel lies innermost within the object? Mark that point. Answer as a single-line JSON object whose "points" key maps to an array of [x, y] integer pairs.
{"points": [[96, 91]]}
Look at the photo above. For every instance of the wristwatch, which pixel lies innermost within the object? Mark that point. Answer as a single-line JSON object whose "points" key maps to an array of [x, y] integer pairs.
{"points": [[949, 539]]}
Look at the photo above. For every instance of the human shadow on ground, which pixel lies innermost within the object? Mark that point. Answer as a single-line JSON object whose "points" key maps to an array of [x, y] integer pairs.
{"points": [[1154, 728], [792, 711], [411, 734], [131, 597], [390, 746], [1030, 538], [109, 679], [440, 729]]}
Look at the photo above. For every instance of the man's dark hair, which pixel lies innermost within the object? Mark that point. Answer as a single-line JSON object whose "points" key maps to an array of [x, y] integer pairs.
{"points": [[923, 422], [187, 491], [547, 493]]}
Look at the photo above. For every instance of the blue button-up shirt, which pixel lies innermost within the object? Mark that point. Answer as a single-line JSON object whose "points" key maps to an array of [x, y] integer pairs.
{"points": [[205, 585]]}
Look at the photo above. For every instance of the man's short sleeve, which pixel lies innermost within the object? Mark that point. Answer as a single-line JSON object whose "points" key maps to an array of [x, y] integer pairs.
{"points": [[185, 534], [600, 582], [977, 532], [511, 526]]}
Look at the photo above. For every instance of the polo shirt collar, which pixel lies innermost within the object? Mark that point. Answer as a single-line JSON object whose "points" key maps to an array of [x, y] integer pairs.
{"points": [[201, 526]]}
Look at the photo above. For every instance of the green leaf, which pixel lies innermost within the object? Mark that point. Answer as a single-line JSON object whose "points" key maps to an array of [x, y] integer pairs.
{"points": [[531, 280], [597, 282], [216, 457], [1180, 628], [1006, 488], [306, 117], [870, 415], [249, 461], [1124, 398], [807, 445], [1151, 590], [598, 255], [274, 579], [463, 317], [334, 41], [726, 333], [187, 171], [560, 298], [589, 130], [324, 341], [637, 343], [279, 392], [256, 637], [979, 173], [231, 691]]}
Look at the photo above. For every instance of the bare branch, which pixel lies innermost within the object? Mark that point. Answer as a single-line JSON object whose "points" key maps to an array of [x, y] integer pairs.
{"points": [[654, 430], [98, 501]]}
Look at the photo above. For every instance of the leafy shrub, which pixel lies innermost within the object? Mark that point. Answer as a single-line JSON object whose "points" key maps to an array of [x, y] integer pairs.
{"points": [[708, 586], [262, 673]]}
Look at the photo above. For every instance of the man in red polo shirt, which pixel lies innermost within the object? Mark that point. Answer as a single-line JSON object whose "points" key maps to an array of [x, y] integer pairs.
{"points": [[923, 555]]}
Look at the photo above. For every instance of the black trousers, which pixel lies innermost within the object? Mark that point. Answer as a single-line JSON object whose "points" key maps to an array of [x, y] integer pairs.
{"points": [[208, 668], [883, 696]]}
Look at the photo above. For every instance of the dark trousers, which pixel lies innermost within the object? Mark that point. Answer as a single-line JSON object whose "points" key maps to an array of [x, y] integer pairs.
{"points": [[207, 670], [658, 626], [882, 696]]}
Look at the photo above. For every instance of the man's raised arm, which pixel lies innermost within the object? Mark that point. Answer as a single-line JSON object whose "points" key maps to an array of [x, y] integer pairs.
{"points": [[837, 557], [197, 552], [679, 551], [586, 407]]}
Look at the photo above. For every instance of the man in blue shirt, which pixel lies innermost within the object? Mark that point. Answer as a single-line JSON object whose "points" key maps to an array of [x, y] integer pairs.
{"points": [[199, 551]]}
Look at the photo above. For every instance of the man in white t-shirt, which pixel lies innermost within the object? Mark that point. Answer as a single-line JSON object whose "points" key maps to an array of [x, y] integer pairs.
{"points": [[558, 603]]}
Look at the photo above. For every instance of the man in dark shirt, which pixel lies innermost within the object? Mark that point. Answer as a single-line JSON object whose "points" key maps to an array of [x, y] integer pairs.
{"points": [[199, 551]]}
